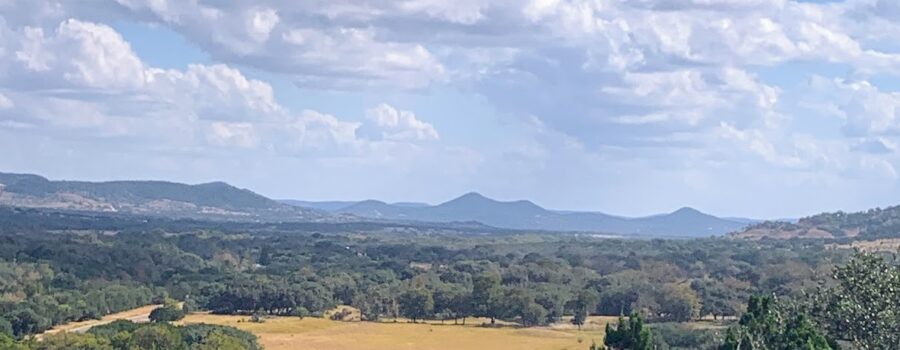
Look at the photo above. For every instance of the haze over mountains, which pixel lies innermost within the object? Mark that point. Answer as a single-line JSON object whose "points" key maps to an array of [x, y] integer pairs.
{"points": [[218, 200], [527, 215]]}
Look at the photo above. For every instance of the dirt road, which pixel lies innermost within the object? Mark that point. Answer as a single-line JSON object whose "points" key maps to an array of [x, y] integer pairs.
{"points": [[141, 314]]}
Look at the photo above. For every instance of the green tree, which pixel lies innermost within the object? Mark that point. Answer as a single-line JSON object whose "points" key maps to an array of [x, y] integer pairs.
{"points": [[585, 302], [157, 337], [553, 299], [679, 302], [218, 340], [168, 313], [628, 335], [26, 321], [486, 295], [769, 326], [533, 314], [416, 304], [862, 306], [73, 341]]}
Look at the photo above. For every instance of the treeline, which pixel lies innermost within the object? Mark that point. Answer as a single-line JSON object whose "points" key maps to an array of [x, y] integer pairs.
{"points": [[858, 309], [35, 298], [48, 278], [125, 335], [855, 309]]}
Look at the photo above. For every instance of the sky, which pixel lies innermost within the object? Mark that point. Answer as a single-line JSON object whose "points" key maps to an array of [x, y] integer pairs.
{"points": [[753, 108]]}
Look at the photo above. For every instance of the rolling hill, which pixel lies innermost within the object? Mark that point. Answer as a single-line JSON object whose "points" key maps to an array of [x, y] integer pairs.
{"points": [[525, 215], [870, 224], [209, 200]]}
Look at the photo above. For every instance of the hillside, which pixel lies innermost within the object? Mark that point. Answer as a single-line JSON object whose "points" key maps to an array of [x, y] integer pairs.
{"points": [[870, 224], [525, 215], [212, 200]]}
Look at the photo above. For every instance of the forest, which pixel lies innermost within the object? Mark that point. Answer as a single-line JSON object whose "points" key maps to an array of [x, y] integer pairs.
{"points": [[55, 272]]}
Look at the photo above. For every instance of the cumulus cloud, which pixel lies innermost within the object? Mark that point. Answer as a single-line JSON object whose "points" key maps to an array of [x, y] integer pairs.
{"points": [[5, 102], [398, 125], [84, 75], [83, 54], [865, 109]]}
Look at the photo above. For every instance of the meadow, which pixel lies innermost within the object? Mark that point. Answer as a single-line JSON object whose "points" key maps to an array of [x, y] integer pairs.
{"points": [[277, 333]]}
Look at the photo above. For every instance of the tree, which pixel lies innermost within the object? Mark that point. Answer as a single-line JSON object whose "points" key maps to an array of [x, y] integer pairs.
{"points": [[486, 294], [679, 303], [26, 321], [218, 340], [533, 314], [716, 298], [168, 313], [73, 341], [157, 337], [553, 299], [462, 306], [769, 325], [416, 304], [445, 295], [204, 336], [585, 302], [519, 303], [862, 306], [628, 335]]}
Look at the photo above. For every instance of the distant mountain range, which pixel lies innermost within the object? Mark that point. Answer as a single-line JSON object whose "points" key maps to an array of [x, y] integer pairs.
{"points": [[218, 200], [338, 205], [525, 215], [209, 200]]}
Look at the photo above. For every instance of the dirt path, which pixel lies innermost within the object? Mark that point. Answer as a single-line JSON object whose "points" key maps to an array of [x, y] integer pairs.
{"points": [[141, 314]]}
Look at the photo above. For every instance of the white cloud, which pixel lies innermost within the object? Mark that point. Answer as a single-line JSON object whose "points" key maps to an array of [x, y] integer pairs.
{"points": [[262, 22], [83, 54], [237, 134], [84, 76], [864, 109], [398, 125], [5, 102]]}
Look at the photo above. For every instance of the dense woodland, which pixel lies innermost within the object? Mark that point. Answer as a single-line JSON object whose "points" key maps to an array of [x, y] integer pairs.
{"points": [[63, 269], [67, 268]]}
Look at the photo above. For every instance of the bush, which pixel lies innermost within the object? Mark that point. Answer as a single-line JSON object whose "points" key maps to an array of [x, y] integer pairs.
{"points": [[169, 313], [676, 336]]}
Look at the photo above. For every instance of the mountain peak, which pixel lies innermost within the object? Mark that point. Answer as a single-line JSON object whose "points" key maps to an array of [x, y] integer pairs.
{"points": [[687, 211], [370, 202], [217, 184], [472, 195]]}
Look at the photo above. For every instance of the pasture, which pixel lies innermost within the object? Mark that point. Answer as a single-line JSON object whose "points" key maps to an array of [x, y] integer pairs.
{"points": [[278, 333]]}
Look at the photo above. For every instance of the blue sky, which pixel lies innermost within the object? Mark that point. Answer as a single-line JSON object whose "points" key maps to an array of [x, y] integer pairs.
{"points": [[760, 108]]}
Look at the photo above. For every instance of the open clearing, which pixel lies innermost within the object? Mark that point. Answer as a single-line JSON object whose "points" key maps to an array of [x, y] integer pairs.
{"points": [[278, 333], [878, 245]]}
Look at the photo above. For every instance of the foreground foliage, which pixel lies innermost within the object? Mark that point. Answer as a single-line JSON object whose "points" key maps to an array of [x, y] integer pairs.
{"points": [[125, 335]]}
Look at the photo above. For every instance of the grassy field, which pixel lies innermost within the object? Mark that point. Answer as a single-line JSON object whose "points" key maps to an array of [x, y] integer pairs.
{"points": [[279, 333]]}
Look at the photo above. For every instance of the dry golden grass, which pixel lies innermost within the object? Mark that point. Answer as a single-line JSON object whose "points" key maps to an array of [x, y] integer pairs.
{"points": [[878, 245], [278, 333]]}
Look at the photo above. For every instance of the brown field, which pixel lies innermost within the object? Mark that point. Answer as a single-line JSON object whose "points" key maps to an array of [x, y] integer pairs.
{"points": [[883, 245], [278, 333]]}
